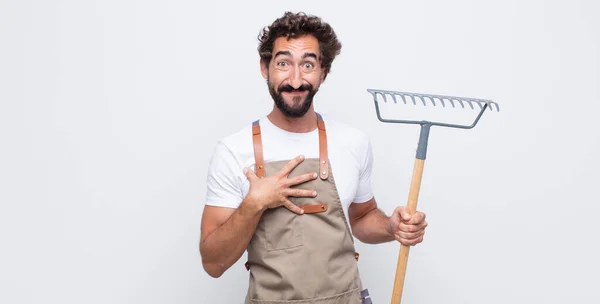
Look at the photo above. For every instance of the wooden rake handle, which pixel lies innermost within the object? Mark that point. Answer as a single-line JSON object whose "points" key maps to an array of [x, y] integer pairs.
{"points": [[413, 197], [422, 151]]}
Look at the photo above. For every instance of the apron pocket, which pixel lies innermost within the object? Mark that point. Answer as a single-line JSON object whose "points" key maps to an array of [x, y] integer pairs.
{"points": [[282, 229]]}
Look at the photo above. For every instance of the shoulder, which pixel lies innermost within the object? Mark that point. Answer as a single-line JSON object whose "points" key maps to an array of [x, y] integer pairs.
{"points": [[237, 143], [225, 178], [345, 133], [347, 139]]}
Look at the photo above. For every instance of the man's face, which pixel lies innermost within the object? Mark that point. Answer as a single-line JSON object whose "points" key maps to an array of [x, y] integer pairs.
{"points": [[294, 74]]}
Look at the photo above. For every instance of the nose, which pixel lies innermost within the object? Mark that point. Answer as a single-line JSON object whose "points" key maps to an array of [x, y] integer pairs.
{"points": [[295, 78]]}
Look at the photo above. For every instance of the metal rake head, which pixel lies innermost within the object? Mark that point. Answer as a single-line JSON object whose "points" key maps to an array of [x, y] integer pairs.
{"points": [[418, 98]]}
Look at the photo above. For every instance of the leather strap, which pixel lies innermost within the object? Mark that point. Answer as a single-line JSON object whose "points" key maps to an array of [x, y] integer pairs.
{"points": [[323, 166], [314, 208], [323, 157], [258, 151]]}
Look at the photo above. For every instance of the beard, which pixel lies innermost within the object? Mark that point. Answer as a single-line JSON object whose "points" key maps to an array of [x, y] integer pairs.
{"points": [[299, 106]]}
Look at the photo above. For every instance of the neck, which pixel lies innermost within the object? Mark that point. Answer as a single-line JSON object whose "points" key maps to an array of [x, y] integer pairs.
{"points": [[304, 124]]}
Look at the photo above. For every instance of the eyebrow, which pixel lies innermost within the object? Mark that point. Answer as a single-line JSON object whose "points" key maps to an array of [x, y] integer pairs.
{"points": [[306, 55], [282, 53]]}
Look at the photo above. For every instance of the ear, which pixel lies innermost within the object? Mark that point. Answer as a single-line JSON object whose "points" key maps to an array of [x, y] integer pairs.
{"points": [[264, 69], [323, 75]]}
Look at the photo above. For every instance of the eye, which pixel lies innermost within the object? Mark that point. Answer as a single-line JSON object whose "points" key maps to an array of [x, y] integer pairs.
{"points": [[308, 65], [281, 63]]}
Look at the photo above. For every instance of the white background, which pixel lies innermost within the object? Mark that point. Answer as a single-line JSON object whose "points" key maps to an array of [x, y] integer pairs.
{"points": [[109, 111]]}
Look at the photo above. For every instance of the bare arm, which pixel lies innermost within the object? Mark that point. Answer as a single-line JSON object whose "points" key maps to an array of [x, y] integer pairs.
{"points": [[226, 232], [370, 225], [225, 236]]}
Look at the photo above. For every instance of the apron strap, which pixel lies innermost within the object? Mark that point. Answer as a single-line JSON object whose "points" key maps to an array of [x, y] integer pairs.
{"points": [[323, 156], [258, 152]]}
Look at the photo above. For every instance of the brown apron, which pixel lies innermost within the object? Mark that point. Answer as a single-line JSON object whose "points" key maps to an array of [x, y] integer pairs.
{"points": [[307, 258]]}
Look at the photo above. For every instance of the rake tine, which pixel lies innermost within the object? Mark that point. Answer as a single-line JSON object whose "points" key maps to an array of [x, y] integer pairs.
{"points": [[422, 99], [490, 104], [451, 102], [384, 98], [461, 103], [413, 99], [403, 99], [394, 98], [441, 101], [497, 106], [432, 100], [469, 102]]}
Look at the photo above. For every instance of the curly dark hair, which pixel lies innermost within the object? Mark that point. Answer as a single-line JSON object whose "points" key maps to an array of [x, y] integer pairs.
{"points": [[295, 25]]}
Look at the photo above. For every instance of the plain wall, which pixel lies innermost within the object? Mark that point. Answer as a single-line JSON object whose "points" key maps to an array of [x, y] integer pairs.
{"points": [[109, 111]]}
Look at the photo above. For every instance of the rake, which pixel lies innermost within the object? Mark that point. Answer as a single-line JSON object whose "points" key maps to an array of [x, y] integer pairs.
{"points": [[415, 186]]}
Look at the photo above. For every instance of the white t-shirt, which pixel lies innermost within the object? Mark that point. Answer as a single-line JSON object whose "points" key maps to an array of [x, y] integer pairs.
{"points": [[349, 152]]}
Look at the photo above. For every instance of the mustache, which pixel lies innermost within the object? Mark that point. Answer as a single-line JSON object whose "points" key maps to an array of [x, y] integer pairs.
{"points": [[289, 88]]}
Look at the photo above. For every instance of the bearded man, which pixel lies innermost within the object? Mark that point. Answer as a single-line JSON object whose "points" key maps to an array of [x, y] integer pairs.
{"points": [[294, 187]]}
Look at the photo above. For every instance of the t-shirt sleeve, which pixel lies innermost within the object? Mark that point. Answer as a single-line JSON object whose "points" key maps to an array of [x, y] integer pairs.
{"points": [[364, 191], [223, 184]]}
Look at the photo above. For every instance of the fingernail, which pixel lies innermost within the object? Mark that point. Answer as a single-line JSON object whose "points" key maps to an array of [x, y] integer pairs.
{"points": [[245, 170], [301, 211], [314, 193], [314, 175]]}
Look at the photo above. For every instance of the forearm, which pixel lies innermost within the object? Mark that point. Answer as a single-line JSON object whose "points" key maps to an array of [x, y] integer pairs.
{"points": [[372, 228], [226, 244]]}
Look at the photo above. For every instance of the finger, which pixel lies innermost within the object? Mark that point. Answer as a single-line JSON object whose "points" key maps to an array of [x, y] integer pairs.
{"points": [[404, 214], [285, 171], [408, 228], [299, 193], [415, 241], [250, 174], [301, 179], [396, 214], [417, 225], [417, 218], [289, 205], [410, 235], [410, 242]]}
